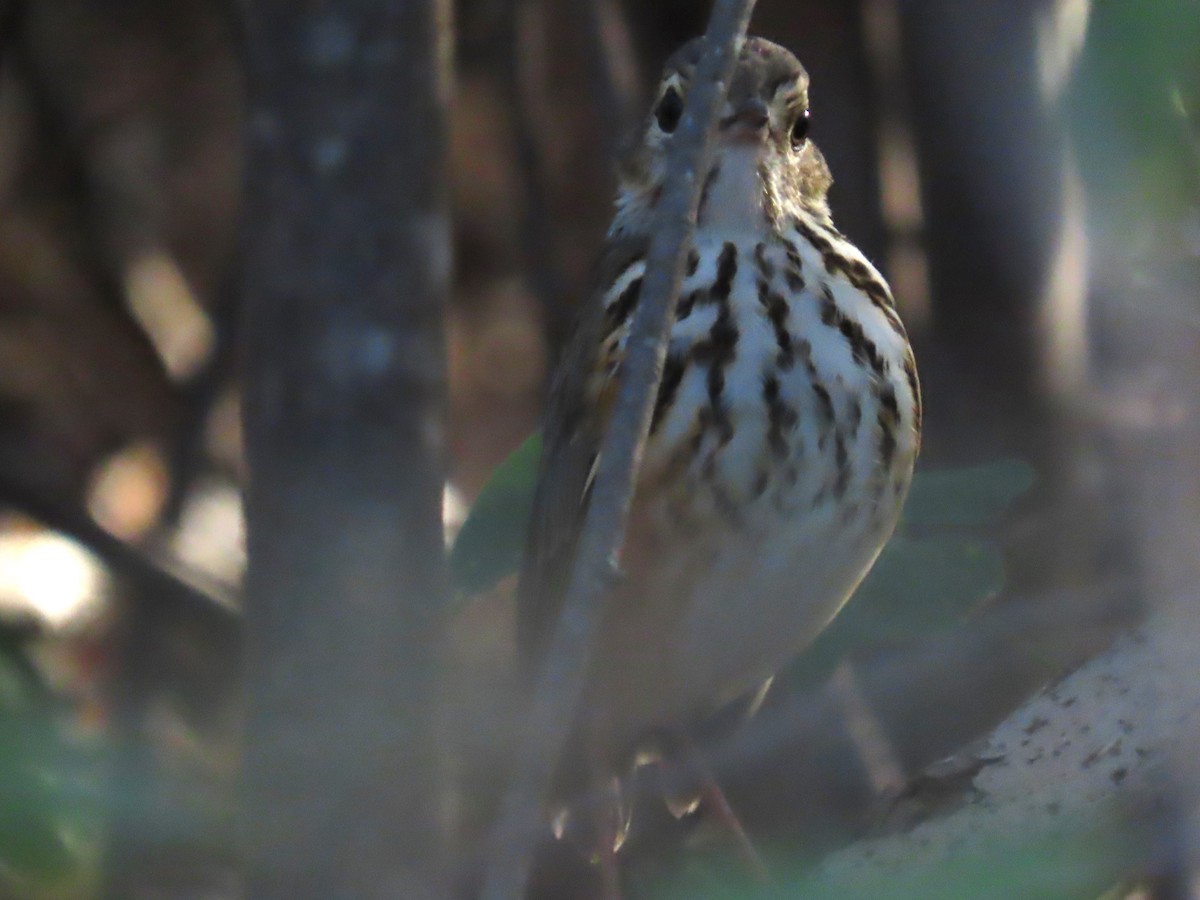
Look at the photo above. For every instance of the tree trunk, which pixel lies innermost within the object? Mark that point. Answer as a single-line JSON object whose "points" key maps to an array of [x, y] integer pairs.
{"points": [[346, 268]]}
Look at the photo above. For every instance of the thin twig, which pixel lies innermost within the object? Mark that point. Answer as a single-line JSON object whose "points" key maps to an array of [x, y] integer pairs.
{"points": [[561, 683], [614, 74], [542, 263]]}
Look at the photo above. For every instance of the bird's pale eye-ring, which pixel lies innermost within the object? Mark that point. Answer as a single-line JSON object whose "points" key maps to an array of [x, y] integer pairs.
{"points": [[669, 110], [800, 128]]}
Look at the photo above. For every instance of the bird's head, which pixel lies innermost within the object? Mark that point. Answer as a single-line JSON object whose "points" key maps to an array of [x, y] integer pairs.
{"points": [[763, 160]]}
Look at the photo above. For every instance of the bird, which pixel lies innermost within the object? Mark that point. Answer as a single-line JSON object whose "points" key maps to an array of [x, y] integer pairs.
{"points": [[784, 431]]}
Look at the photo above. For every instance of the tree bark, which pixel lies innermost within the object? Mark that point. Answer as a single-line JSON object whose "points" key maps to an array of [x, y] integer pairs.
{"points": [[1105, 757], [346, 267]]}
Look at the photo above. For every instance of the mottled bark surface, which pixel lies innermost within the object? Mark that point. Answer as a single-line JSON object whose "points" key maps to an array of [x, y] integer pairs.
{"points": [[345, 274]]}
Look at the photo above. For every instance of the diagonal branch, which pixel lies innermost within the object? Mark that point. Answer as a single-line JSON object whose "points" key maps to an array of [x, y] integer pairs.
{"points": [[166, 580], [561, 683]]}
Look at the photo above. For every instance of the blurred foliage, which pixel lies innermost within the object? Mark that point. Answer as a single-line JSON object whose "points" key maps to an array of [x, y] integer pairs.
{"points": [[932, 573], [52, 781], [1135, 106], [966, 497], [1079, 864], [492, 539]]}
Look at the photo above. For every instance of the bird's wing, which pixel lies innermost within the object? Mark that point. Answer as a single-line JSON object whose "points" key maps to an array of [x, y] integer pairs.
{"points": [[571, 431]]}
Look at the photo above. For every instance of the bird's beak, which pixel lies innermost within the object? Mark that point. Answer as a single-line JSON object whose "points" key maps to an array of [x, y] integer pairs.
{"points": [[748, 122]]}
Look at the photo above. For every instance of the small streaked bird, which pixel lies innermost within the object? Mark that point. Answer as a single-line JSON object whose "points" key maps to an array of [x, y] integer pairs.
{"points": [[783, 436]]}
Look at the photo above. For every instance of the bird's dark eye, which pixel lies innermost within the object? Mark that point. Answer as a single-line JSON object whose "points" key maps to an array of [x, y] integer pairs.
{"points": [[669, 109], [800, 128]]}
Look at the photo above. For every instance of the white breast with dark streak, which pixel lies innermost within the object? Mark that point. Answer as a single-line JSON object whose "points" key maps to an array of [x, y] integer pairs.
{"points": [[801, 466]]}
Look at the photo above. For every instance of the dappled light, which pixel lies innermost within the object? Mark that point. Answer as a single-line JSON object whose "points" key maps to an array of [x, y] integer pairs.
{"points": [[128, 491], [167, 309], [47, 577]]}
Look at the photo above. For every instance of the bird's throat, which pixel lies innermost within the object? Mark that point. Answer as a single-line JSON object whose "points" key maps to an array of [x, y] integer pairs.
{"points": [[733, 202]]}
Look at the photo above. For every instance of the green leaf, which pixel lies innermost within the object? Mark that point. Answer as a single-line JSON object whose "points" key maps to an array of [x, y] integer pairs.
{"points": [[967, 497], [50, 796], [492, 539], [1138, 72], [21, 685], [1070, 864], [921, 585], [918, 588], [51, 785]]}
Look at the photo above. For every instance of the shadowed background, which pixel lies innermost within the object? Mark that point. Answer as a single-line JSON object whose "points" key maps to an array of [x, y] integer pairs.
{"points": [[1027, 174]]}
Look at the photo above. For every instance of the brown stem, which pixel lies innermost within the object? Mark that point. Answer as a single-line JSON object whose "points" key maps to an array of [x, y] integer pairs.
{"points": [[561, 683]]}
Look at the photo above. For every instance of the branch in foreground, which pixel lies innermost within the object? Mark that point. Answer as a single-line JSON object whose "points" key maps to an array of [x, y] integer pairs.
{"points": [[1107, 754], [561, 683]]}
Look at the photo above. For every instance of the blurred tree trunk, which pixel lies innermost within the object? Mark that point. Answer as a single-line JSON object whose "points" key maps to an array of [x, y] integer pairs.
{"points": [[1008, 370], [1006, 260], [346, 274]]}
